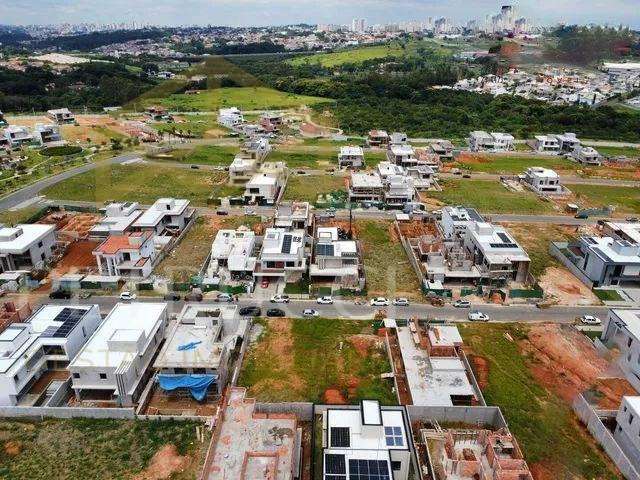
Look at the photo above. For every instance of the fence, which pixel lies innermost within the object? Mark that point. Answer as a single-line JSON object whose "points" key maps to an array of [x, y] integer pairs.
{"points": [[303, 410], [474, 382], [417, 267], [67, 412], [484, 416], [604, 437], [555, 249]]}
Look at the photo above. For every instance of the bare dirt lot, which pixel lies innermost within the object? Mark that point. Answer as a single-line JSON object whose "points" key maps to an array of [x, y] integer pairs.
{"points": [[77, 259], [71, 225], [566, 288]]}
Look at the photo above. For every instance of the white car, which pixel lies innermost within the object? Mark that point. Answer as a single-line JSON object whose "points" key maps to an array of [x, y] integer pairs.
{"points": [[310, 312], [224, 297], [280, 299], [327, 300], [462, 304], [590, 320], [128, 296], [379, 302], [401, 302], [478, 317]]}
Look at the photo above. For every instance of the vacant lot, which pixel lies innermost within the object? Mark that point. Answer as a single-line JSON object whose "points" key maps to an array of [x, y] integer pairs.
{"points": [[307, 188], [99, 449], [339, 361], [512, 164], [220, 155], [387, 268], [199, 126], [530, 375], [624, 199], [630, 152], [245, 98], [13, 217], [489, 197], [140, 183]]}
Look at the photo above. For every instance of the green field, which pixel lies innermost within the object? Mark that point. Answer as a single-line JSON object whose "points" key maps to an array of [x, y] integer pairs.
{"points": [[198, 126], [139, 183], [318, 156], [630, 152], [544, 425], [298, 360], [306, 188], [80, 449], [245, 98], [219, 155], [387, 269], [513, 164], [624, 199], [489, 197]]}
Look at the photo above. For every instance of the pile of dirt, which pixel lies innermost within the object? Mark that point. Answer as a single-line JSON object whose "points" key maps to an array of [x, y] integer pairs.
{"points": [[333, 396], [164, 463], [12, 448], [363, 343], [78, 258], [417, 228], [569, 291], [610, 392]]}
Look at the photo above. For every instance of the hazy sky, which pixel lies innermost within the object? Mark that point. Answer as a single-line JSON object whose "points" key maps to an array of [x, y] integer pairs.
{"points": [[276, 12]]}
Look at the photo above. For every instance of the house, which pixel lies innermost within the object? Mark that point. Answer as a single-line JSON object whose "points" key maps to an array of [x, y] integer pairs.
{"points": [[61, 115], [262, 445], [263, 189], [606, 261], [113, 365], [627, 429], [621, 330], [398, 190], [586, 156], [378, 138], [398, 138], [567, 142], [18, 136], [242, 169], [256, 148], [156, 113], [166, 215], [334, 259], [423, 176], [118, 220], [129, 255], [502, 142], [365, 187], [456, 220], [372, 438], [543, 181], [230, 117], [26, 247], [271, 122], [351, 157], [251, 129], [45, 134], [196, 353], [294, 216], [387, 169], [442, 148], [234, 250], [39, 349], [480, 141], [3, 121], [283, 255], [496, 253], [546, 144], [629, 231], [402, 155]]}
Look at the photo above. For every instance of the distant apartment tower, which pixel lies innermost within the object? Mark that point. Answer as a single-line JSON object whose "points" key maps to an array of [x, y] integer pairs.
{"points": [[358, 25]]}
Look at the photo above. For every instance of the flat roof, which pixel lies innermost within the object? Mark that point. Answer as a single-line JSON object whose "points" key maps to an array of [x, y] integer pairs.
{"points": [[351, 151], [630, 230], [206, 352], [18, 239], [262, 179], [365, 180], [541, 172], [631, 319], [116, 223], [162, 207], [496, 243], [444, 335], [367, 436], [277, 241]]}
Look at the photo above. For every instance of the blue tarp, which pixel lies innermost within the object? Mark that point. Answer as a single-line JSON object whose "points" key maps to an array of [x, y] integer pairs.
{"points": [[197, 384], [189, 346]]}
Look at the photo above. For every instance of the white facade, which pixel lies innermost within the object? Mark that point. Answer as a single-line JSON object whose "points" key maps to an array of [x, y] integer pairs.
{"points": [[622, 331], [230, 117], [398, 138], [112, 365], [61, 115], [543, 181], [456, 220], [547, 144], [399, 189], [334, 258], [480, 141], [170, 214], [608, 261], [263, 189], [283, 255], [49, 339], [402, 155], [234, 250], [627, 432], [131, 255], [18, 136], [351, 157], [118, 219], [586, 156], [45, 134], [365, 187], [24, 247], [567, 142]]}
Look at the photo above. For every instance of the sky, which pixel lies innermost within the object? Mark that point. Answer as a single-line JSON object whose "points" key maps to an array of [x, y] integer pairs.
{"points": [[279, 12]]}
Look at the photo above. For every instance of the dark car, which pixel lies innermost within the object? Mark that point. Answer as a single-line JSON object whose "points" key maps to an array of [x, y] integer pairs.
{"points": [[250, 312], [222, 212], [195, 167], [275, 312], [193, 297], [60, 295], [172, 297]]}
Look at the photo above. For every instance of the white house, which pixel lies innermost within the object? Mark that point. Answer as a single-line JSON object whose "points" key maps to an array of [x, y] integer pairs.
{"points": [[18, 136], [256, 148], [118, 219], [547, 144], [230, 117], [242, 168], [568, 142], [333, 259], [442, 148], [165, 215], [398, 138], [282, 255], [398, 190], [586, 156], [365, 187], [502, 142], [294, 216], [402, 155], [46, 342], [130, 255], [234, 250], [456, 220], [387, 169], [622, 331], [351, 157], [357, 442], [45, 133], [263, 189], [24, 247], [627, 431], [112, 365], [543, 181], [480, 141], [61, 115], [607, 261], [423, 176]]}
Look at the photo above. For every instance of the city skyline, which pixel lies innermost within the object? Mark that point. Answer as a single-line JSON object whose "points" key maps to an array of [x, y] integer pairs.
{"points": [[281, 12]]}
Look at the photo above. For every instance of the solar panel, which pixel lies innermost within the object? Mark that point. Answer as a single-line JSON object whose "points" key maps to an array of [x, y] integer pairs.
{"points": [[324, 249], [69, 318], [503, 245], [340, 437], [504, 237], [335, 464], [368, 470], [286, 244]]}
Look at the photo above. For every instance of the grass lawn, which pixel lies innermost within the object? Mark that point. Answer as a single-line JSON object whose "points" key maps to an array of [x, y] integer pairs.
{"points": [[489, 197], [140, 183], [630, 152], [13, 217], [221, 155], [624, 199], [318, 156], [387, 268], [513, 164], [307, 188], [200, 126], [245, 98], [298, 360], [544, 424], [608, 295], [88, 448]]}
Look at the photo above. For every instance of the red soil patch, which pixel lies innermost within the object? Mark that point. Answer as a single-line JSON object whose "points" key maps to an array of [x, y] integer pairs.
{"points": [[611, 391], [542, 471], [333, 396], [363, 343], [164, 464], [481, 370], [79, 256], [12, 448]]}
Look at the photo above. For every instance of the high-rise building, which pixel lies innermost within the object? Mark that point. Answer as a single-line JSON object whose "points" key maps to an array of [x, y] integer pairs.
{"points": [[358, 25]]}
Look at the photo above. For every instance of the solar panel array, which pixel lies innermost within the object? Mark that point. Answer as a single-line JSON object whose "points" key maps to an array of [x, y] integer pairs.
{"points": [[393, 436], [368, 470], [334, 465], [286, 244], [340, 437], [69, 318], [325, 249]]}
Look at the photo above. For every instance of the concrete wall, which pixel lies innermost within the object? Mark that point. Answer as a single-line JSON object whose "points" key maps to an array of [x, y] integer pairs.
{"points": [[65, 412], [304, 410], [489, 416], [554, 249]]}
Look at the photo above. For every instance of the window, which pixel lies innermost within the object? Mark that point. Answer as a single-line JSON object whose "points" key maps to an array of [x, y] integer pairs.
{"points": [[199, 371], [629, 342], [395, 466], [84, 332], [630, 418], [180, 370], [39, 244], [103, 376], [16, 378], [393, 436]]}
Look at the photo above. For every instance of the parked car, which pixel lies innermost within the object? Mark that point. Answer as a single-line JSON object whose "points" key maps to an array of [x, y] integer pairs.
{"points": [[280, 299], [326, 300], [275, 312], [632, 219], [60, 295], [466, 175], [401, 302], [84, 295], [222, 212], [478, 316], [224, 297], [462, 304], [379, 302], [126, 296], [193, 297], [581, 216], [310, 312], [195, 167], [250, 312], [172, 297], [590, 320]]}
